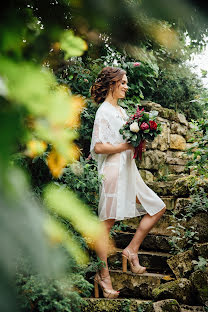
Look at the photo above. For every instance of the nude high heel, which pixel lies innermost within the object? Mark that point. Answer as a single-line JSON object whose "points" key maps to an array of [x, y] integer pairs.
{"points": [[138, 269], [107, 293]]}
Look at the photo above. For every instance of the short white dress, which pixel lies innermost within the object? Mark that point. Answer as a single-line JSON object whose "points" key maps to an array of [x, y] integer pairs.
{"points": [[121, 181]]}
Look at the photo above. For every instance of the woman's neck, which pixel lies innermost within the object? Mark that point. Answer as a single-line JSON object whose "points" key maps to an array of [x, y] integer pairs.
{"points": [[112, 100]]}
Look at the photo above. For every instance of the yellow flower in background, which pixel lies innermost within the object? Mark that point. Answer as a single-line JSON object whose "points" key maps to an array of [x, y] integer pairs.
{"points": [[74, 153], [65, 89], [77, 104], [56, 163], [35, 148]]}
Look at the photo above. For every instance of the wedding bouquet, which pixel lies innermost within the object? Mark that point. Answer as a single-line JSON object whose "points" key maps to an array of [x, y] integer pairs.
{"points": [[139, 128]]}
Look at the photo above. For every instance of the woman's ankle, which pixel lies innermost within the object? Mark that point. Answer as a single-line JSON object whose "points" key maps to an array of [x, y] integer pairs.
{"points": [[131, 250]]}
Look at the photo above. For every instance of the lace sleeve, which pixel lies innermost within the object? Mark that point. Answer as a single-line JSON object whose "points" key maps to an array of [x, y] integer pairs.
{"points": [[102, 133]]}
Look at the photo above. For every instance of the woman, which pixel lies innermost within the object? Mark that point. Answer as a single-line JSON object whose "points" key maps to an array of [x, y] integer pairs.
{"points": [[123, 193]]}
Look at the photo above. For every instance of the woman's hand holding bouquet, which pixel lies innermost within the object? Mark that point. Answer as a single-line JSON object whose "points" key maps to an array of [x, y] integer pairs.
{"points": [[139, 128]]}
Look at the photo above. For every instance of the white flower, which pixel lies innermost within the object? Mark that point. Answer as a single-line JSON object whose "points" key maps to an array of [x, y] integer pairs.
{"points": [[77, 168], [134, 127]]}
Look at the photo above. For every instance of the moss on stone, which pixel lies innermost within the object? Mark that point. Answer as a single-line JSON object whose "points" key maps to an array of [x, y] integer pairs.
{"points": [[168, 305], [180, 289]]}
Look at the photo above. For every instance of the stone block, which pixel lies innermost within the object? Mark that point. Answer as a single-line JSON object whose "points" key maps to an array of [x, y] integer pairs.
{"points": [[180, 290], [167, 305], [182, 119], [178, 128], [169, 201], [176, 161], [152, 160], [177, 169], [201, 250], [177, 142], [162, 141], [146, 175], [181, 206], [200, 282], [181, 264]]}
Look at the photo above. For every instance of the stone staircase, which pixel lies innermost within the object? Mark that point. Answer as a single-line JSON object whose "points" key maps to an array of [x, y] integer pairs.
{"points": [[136, 289]]}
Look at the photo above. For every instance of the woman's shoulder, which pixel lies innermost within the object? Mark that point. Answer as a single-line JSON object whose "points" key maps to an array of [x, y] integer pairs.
{"points": [[104, 110]]}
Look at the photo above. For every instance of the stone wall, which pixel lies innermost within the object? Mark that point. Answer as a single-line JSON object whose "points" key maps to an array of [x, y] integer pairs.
{"points": [[165, 157]]}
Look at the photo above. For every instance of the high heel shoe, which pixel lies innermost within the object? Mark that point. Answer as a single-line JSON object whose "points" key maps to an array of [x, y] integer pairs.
{"points": [[138, 269], [107, 293]]}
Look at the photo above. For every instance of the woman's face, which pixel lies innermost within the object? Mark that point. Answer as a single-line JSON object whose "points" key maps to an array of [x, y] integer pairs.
{"points": [[121, 88]]}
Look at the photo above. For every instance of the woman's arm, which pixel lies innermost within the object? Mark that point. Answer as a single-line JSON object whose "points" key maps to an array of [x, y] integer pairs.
{"points": [[107, 148]]}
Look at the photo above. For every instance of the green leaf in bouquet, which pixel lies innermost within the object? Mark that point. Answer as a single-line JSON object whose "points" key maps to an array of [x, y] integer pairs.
{"points": [[134, 137], [146, 131], [145, 117], [138, 140]]}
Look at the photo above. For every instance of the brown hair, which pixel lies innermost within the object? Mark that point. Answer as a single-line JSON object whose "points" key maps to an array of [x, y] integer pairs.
{"points": [[106, 79]]}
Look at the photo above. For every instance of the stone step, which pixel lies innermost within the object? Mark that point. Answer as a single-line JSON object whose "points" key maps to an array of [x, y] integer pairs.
{"points": [[151, 241], [130, 305], [114, 305], [152, 260], [160, 227], [130, 285], [187, 308]]}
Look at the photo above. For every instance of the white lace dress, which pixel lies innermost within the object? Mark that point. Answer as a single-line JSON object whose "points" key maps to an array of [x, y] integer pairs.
{"points": [[121, 181]]}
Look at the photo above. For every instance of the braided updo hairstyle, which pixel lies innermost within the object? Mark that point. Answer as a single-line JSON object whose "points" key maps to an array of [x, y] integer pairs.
{"points": [[106, 79]]}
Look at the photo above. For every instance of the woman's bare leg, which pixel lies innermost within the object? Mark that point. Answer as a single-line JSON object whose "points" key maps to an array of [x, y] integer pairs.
{"points": [[145, 225], [101, 249]]}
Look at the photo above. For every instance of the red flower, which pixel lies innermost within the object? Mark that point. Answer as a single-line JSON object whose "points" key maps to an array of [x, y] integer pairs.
{"points": [[144, 126], [153, 125], [137, 64]]}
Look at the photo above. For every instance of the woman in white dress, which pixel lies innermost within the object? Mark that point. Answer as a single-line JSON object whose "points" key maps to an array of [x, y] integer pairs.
{"points": [[123, 193]]}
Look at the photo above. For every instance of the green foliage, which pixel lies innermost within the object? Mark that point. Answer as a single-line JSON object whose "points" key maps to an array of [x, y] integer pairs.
{"points": [[200, 264], [125, 305], [199, 149], [82, 178], [177, 88], [198, 203], [182, 238], [85, 130], [41, 294]]}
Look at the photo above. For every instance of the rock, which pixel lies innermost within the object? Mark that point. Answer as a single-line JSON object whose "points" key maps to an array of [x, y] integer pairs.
{"points": [[178, 128], [169, 114], [116, 305], [177, 154], [146, 175], [135, 285], [169, 202], [200, 282], [177, 142], [201, 250], [181, 264], [182, 119], [200, 224], [162, 141], [168, 305], [182, 186], [176, 161], [187, 308], [177, 169], [152, 160], [180, 289], [163, 171], [162, 188], [181, 205]]}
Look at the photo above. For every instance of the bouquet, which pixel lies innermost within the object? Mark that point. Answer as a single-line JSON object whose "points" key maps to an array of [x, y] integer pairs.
{"points": [[139, 128]]}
